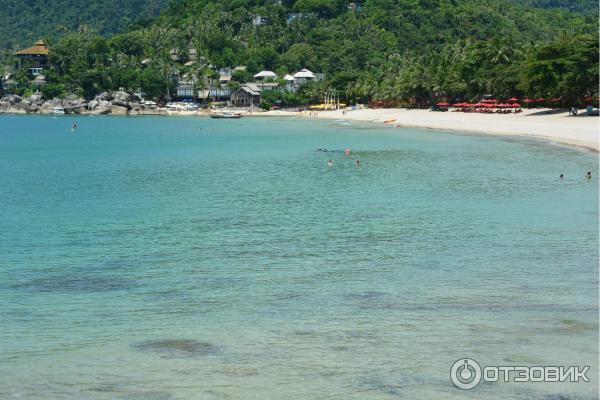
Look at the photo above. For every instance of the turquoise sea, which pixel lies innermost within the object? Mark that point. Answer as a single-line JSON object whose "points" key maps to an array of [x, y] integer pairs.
{"points": [[158, 258]]}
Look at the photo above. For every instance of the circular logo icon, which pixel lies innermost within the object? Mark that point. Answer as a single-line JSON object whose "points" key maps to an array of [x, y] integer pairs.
{"points": [[465, 373]]}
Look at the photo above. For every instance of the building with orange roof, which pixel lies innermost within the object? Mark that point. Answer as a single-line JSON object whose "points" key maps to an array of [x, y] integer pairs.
{"points": [[34, 58]]}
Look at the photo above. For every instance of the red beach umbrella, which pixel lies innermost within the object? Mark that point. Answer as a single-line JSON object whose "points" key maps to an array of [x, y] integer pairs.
{"points": [[515, 105], [528, 101], [443, 104], [458, 105], [540, 99], [588, 98], [513, 99]]}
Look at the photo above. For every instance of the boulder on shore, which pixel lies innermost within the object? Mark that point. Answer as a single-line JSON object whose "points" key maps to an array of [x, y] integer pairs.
{"points": [[104, 96], [118, 109], [121, 96], [101, 110], [92, 105], [35, 99], [121, 103], [11, 99]]}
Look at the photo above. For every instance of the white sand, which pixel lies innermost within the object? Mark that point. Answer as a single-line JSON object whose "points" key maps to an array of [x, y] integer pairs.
{"points": [[582, 130]]}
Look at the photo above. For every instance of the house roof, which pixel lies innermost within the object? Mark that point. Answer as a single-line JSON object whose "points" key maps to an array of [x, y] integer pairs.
{"points": [[265, 74], [304, 73], [38, 48], [258, 87], [288, 77], [250, 91]]}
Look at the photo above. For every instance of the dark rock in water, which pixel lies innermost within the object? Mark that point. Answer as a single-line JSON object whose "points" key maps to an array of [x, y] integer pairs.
{"points": [[177, 347], [75, 283]]}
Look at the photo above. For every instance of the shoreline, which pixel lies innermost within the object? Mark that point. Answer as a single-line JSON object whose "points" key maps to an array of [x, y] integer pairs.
{"points": [[545, 124]]}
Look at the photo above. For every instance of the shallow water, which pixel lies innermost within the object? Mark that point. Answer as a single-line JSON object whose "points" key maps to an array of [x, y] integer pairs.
{"points": [[190, 258]]}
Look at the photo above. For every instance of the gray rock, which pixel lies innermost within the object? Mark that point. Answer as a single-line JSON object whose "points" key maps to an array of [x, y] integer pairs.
{"points": [[72, 100], [119, 110], [35, 99], [12, 99], [46, 107], [121, 96], [101, 110], [122, 103], [93, 104], [104, 96]]}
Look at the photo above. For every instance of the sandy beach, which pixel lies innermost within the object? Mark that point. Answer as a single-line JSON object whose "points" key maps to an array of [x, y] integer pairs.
{"points": [[548, 124]]}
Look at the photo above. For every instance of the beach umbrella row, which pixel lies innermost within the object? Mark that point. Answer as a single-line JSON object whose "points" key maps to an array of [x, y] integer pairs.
{"points": [[510, 102], [490, 105]]}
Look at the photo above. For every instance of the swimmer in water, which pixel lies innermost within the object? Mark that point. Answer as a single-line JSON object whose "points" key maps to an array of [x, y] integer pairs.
{"points": [[589, 176], [357, 163], [74, 126], [330, 163], [561, 176], [347, 152]]}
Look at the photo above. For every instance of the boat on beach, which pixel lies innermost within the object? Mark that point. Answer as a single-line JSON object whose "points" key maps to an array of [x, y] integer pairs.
{"points": [[226, 114]]}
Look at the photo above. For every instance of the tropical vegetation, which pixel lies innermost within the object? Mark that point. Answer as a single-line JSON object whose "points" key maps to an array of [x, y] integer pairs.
{"points": [[412, 52]]}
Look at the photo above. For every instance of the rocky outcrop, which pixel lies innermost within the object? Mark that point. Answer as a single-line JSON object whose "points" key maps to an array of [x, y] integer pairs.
{"points": [[118, 109], [118, 103], [122, 103], [121, 96], [10, 99]]}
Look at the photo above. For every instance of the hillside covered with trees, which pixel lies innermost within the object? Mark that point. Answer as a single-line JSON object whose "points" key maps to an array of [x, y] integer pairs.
{"points": [[415, 51], [24, 21]]}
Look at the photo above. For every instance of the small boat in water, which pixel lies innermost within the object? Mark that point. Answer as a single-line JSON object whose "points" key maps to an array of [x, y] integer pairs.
{"points": [[58, 110], [226, 114]]}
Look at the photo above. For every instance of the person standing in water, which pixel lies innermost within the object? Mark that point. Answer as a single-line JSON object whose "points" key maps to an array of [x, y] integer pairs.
{"points": [[74, 126], [588, 176], [357, 163], [561, 177], [330, 163]]}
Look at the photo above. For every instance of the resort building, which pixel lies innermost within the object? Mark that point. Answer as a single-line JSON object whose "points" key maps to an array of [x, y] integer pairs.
{"points": [[289, 82], [34, 58], [248, 95], [185, 89], [8, 85], [303, 76], [258, 20]]}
